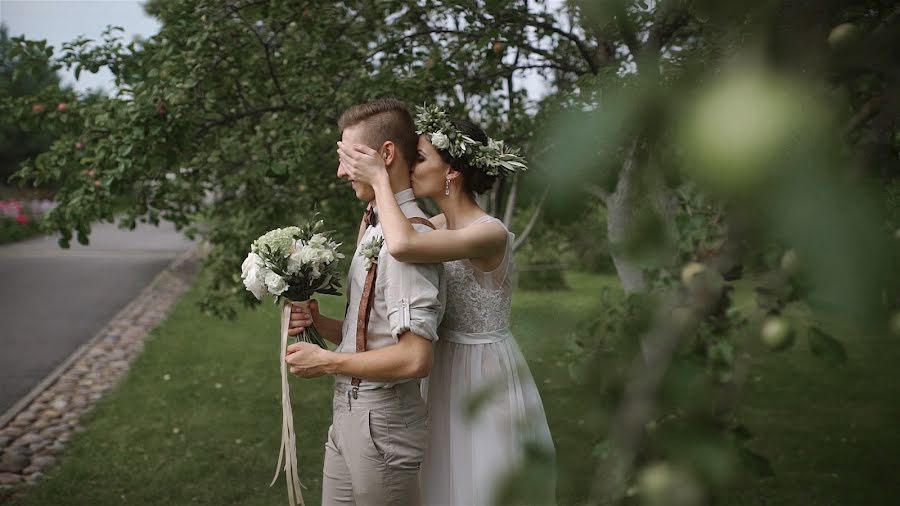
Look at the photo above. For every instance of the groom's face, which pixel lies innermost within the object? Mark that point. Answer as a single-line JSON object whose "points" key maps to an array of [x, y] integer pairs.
{"points": [[353, 135]]}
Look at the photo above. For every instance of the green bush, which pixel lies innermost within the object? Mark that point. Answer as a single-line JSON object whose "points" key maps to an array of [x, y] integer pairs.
{"points": [[559, 244], [588, 243], [11, 230], [541, 261], [536, 277], [20, 219]]}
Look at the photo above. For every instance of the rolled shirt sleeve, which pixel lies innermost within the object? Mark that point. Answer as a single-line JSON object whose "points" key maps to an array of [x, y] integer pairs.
{"points": [[414, 296]]}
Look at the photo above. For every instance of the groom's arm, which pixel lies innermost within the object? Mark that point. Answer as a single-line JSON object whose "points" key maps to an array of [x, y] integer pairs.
{"points": [[414, 298], [411, 357]]}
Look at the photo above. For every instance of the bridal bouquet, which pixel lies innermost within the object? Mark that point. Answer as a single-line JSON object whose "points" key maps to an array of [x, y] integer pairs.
{"points": [[292, 264]]}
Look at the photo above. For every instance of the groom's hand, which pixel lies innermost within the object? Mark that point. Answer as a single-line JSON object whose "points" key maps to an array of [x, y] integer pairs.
{"points": [[306, 360], [301, 319]]}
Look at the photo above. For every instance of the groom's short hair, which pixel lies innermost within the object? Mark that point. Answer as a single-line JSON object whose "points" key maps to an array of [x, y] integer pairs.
{"points": [[384, 119]]}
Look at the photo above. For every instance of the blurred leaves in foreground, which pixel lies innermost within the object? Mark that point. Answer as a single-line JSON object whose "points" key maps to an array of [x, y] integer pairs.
{"points": [[727, 148]]}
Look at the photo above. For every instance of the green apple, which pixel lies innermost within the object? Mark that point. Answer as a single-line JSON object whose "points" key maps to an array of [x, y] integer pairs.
{"points": [[777, 333], [690, 270], [736, 130], [697, 277], [655, 481], [789, 261], [842, 35], [662, 484]]}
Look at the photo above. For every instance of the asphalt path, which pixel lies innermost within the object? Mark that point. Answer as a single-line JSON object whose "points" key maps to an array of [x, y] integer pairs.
{"points": [[53, 300]]}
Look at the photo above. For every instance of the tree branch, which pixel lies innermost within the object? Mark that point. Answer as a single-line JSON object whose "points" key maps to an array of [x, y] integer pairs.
{"points": [[599, 192], [623, 21], [272, 73], [646, 374], [393, 43], [511, 201], [228, 119], [867, 111], [582, 47], [551, 58], [520, 240], [668, 19]]}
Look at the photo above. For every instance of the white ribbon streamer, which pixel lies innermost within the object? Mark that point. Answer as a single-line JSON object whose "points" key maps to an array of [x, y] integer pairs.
{"points": [[288, 451]]}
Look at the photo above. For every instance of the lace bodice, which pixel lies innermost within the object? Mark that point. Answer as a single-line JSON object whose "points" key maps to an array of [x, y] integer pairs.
{"points": [[478, 301]]}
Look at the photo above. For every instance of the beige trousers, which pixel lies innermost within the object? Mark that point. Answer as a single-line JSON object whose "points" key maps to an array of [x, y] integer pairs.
{"points": [[375, 447]]}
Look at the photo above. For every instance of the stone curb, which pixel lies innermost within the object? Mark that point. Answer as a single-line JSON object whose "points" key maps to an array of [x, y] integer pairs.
{"points": [[35, 429]]}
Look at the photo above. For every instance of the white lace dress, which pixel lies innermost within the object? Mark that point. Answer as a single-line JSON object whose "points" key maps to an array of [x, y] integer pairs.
{"points": [[483, 403]]}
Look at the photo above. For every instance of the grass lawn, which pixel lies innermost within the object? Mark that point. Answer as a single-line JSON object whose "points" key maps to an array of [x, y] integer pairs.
{"points": [[209, 434]]}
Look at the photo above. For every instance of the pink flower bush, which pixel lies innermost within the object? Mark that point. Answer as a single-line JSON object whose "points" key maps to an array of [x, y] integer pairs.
{"points": [[11, 208], [18, 219]]}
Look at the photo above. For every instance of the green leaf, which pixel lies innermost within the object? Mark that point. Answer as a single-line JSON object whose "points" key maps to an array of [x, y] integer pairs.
{"points": [[826, 347], [741, 432], [756, 463]]}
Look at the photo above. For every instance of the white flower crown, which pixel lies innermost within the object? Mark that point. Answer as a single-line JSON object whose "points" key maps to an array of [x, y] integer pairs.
{"points": [[494, 158]]}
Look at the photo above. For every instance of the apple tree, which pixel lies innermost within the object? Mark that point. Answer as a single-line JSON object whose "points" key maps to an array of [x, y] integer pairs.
{"points": [[224, 121]]}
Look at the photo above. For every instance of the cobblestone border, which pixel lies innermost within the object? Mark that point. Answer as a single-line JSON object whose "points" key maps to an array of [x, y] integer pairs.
{"points": [[36, 429]]}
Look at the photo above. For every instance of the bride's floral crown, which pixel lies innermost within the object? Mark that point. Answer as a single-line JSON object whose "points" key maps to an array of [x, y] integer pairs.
{"points": [[494, 158]]}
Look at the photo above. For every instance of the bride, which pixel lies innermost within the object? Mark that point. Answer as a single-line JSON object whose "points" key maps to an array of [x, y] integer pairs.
{"points": [[483, 404]]}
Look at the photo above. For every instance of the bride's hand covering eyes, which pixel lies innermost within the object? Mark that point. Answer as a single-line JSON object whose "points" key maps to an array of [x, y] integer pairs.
{"points": [[362, 163]]}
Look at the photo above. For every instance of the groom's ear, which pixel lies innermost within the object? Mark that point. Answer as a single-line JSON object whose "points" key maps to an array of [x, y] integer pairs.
{"points": [[388, 153]]}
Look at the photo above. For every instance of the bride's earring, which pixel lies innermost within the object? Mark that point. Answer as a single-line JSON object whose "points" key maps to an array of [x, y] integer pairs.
{"points": [[447, 187]]}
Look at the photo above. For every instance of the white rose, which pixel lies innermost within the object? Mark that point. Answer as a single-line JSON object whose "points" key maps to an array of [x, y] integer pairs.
{"points": [[439, 140], [321, 255], [256, 286], [251, 273], [251, 260], [275, 283], [294, 264], [318, 240], [308, 255]]}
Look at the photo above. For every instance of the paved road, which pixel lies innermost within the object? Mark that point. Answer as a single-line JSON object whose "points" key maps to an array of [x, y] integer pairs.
{"points": [[53, 300]]}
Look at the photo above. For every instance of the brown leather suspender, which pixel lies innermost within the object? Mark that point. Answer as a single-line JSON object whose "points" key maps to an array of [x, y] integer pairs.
{"points": [[365, 305]]}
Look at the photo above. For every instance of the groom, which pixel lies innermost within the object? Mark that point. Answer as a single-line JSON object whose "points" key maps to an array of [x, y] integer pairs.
{"points": [[377, 438]]}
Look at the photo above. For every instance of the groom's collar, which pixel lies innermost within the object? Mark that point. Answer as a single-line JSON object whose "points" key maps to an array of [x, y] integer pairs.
{"points": [[404, 196]]}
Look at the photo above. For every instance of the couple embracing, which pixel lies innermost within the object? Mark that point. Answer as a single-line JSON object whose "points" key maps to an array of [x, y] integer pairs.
{"points": [[426, 328]]}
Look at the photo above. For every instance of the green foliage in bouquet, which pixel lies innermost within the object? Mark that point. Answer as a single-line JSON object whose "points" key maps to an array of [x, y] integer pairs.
{"points": [[294, 263], [304, 257]]}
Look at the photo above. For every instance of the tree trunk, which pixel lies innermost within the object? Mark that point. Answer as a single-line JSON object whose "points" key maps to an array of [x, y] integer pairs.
{"points": [[621, 209], [634, 189]]}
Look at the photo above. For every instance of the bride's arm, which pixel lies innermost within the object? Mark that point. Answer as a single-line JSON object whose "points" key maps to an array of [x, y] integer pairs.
{"points": [[408, 245]]}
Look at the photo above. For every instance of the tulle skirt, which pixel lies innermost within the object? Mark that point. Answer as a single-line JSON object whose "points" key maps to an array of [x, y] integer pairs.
{"points": [[483, 409]]}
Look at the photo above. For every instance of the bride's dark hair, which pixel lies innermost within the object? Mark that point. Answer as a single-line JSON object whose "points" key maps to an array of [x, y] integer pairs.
{"points": [[475, 180]]}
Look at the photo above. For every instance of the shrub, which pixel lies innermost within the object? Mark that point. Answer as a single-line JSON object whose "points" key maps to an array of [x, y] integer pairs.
{"points": [[20, 220]]}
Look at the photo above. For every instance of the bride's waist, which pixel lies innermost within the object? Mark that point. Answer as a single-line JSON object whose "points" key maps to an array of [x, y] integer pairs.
{"points": [[460, 337]]}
